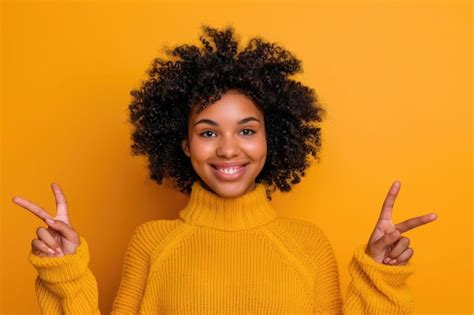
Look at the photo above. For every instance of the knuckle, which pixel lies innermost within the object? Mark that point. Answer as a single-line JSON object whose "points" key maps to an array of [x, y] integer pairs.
{"points": [[38, 230], [54, 245], [39, 245], [407, 254], [73, 232], [76, 237], [405, 241]]}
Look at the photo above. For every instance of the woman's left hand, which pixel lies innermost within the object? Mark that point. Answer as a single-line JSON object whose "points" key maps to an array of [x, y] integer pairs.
{"points": [[385, 244]]}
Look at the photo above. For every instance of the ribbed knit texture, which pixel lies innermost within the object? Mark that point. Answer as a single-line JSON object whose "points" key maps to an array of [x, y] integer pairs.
{"points": [[226, 256]]}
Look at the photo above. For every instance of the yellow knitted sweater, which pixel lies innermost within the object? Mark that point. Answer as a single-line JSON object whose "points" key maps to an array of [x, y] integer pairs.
{"points": [[226, 256]]}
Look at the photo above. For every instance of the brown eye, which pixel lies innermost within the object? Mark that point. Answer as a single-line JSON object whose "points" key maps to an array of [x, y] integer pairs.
{"points": [[206, 132], [252, 132]]}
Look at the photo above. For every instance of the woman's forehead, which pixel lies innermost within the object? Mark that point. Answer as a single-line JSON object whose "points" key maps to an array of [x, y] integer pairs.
{"points": [[232, 106]]}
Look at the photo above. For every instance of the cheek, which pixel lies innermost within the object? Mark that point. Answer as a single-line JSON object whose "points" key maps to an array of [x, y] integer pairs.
{"points": [[201, 150], [257, 149]]}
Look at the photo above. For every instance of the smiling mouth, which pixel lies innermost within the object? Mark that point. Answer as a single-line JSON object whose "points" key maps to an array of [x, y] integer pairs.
{"points": [[229, 167], [230, 173]]}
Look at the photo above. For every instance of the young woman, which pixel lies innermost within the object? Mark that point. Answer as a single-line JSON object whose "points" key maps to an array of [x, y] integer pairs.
{"points": [[226, 128]]}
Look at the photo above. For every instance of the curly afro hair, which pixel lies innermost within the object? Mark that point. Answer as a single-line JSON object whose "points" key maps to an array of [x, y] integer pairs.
{"points": [[199, 76]]}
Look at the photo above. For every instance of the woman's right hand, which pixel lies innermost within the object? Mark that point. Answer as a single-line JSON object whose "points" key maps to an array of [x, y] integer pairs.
{"points": [[59, 238]]}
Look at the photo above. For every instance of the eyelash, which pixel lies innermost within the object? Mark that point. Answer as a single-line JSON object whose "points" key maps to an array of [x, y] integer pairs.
{"points": [[253, 132]]}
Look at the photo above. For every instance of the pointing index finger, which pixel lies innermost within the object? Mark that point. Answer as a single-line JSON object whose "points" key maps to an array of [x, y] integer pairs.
{"points": [[414, 222], [386, 213], [33, 208]]}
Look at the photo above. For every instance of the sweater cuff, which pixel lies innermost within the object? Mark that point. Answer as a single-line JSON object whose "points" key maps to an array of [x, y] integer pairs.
{"points": [[391, 273], [60, 269]]}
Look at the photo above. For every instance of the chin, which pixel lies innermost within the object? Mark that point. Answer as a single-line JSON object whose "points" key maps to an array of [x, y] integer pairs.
{"points": [[229, 190], [231, 193]]}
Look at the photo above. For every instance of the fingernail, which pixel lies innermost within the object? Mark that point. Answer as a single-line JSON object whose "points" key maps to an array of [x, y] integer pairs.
{"points": [[50, 250], [386, 260], [59, 251], [393, 261], [49, 221]]}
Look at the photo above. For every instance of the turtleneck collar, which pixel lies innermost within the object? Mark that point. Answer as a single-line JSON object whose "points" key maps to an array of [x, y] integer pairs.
{"points": [[206, 208]]}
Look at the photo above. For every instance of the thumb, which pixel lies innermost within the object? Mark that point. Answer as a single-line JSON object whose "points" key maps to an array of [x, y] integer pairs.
{"points": [[385, 241], [66, 230]]}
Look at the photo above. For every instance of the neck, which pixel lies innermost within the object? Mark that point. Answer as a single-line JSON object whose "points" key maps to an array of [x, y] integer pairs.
{"points": [[206, 208]]}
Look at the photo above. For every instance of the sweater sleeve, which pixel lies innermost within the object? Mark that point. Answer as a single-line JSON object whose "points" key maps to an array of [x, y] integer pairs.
{"points": [[66, 285], [377, 288], [374, 288], [327, 295], [134, 274]]}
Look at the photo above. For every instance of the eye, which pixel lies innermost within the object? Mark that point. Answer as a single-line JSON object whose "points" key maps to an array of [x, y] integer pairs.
{"points": [[206, 132], [252, 132]]}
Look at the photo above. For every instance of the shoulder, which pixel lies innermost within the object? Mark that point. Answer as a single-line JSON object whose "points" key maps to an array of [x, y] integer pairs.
{"points": [[307, 235], [152, 233], [299, 228], [159, 225]]}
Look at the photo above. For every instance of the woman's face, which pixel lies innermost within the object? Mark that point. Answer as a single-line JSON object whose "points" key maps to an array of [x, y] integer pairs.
{"points": [[229, 131]]}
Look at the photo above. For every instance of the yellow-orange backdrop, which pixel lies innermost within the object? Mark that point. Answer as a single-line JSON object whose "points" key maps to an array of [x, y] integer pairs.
{"points": [[396, 79]]}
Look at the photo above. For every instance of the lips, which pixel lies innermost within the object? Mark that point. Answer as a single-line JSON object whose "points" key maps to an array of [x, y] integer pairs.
{"points": [[229, 165], [241, 169]]}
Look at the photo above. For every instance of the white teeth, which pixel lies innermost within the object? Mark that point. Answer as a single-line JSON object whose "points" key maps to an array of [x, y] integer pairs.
{"points": [[229, 171]]}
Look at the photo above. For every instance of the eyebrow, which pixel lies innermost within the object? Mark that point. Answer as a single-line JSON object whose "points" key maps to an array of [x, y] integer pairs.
{"points": [[213, 123]]}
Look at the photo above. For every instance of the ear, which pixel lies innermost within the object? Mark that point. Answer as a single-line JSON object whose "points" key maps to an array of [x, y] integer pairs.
{"points": [[185, 147]]}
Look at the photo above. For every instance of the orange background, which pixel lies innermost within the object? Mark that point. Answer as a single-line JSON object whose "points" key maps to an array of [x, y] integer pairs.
{"points": [[396, 79]]}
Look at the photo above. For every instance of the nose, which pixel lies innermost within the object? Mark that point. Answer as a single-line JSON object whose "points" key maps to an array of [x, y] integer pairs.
{"points": [[228, 147]]}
